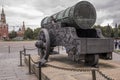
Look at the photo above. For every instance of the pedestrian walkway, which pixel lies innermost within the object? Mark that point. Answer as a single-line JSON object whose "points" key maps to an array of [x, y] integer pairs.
{"points": [[9, 69]]}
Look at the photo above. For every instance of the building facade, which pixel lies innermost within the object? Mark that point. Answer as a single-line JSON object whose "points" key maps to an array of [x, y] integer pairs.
{"points": [[3, 27], [21, 31]]}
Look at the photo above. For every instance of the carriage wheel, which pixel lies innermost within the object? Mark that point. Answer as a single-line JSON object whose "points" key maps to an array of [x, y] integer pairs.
{"points": [[43, 45], [92, 60]]}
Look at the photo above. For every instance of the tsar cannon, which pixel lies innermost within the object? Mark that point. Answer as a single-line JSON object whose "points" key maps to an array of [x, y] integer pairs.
{"points": [[72, 28]]}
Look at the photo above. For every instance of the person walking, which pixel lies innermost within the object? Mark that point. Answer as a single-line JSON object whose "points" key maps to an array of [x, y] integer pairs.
{"points": [[116, 44], [119, 44]]}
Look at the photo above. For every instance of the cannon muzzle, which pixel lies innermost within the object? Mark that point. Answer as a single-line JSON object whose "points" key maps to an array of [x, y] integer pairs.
{"points": [[81, 16]]}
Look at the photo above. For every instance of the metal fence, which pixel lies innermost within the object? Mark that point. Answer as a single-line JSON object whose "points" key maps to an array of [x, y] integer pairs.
{"points": [[37, 64], [15, 49], [94, 74], [10, 49]]}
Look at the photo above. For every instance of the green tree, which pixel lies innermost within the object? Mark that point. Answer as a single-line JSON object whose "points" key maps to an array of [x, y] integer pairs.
{"points": [[108, 31], [100, 27], [119, 26], [112, 33], [116, 31], [103, 30], [12, 34], [28, 33], [97, 26], [35, 33]]}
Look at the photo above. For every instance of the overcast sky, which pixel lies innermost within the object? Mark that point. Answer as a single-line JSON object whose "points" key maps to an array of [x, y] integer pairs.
{"points": [[33, 11]]}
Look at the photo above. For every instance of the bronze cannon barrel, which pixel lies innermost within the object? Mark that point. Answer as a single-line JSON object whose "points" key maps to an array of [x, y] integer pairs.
{"points": [[81, 16]]}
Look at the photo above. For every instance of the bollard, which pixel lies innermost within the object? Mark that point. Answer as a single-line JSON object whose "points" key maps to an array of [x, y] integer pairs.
{"points": [[111, 57], [29, 64], [93, 75], [39, 70], [8, 49], [20, 58], [58, 50], [23, 47], [24, 51]]}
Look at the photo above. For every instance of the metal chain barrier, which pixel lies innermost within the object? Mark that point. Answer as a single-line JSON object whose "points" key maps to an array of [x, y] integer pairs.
{"points": [[73, 69], [106, 77], [30, 59], [93, 70], [12, 48], [31, 49]]}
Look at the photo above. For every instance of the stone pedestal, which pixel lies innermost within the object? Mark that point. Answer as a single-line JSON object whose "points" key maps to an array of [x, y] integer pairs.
{"points": [[59, 67]]}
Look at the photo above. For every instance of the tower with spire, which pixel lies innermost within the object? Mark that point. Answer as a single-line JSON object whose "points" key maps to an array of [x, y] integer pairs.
{"points": [[23, 27], [21, 31], [3, 26], [3, 18]]}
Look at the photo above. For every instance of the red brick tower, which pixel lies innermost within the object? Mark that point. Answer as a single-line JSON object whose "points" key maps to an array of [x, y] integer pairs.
{"points": [[3, 19], [23, 27], [3, 26], [21, 30]]}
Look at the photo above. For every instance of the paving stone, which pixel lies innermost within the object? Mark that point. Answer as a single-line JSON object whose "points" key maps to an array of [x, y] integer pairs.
{"points": [[108, 67], [9, 69]]}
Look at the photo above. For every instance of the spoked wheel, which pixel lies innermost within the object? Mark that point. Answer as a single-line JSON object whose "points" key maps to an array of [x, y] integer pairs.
{"points": [[43, 45], [92, 60]]}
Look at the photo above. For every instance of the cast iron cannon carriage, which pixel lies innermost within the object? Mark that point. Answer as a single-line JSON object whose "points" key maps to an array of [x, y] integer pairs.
{"points": [[72, 28]]}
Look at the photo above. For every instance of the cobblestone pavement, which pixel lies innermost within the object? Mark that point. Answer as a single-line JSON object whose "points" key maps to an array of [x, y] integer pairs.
{"points": [[10, 69], [116, 56]]}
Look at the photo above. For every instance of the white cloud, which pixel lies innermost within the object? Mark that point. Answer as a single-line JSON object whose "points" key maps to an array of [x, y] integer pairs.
{"points": [[32, 23], [25, 9], [102, 13], [33, 11], [106, 22]]}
